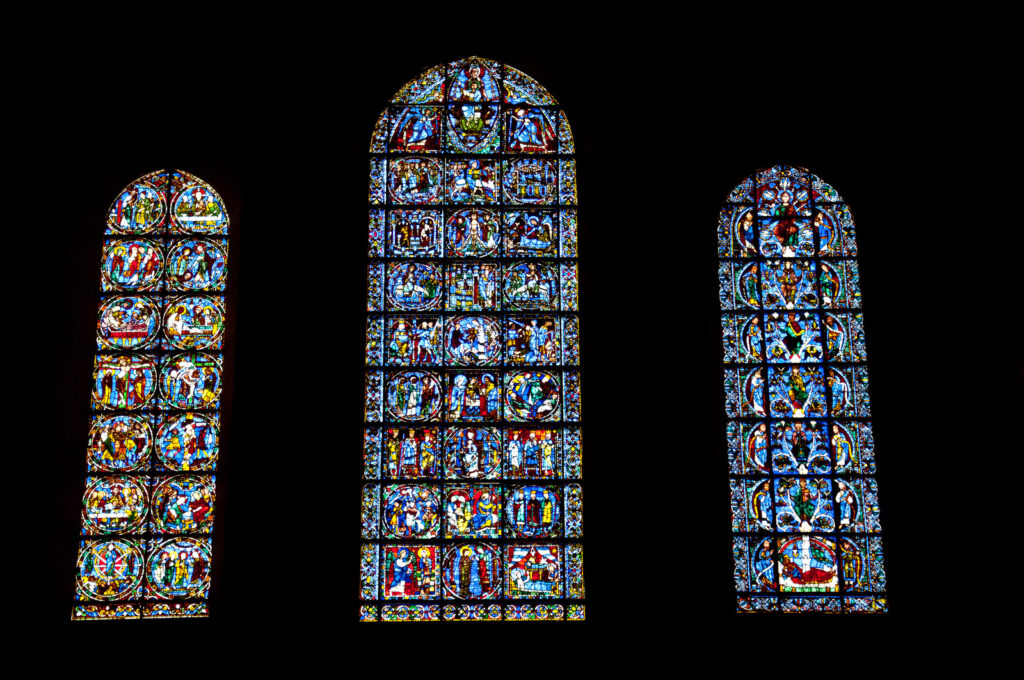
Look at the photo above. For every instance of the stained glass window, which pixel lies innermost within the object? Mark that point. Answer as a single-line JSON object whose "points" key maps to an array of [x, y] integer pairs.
{"points": [[805, 513], [151, 456], [472, 503]]}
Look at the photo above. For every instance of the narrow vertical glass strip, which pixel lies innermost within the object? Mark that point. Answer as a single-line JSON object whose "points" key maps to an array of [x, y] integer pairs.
{"points": [[805, 514], [149, 502]]}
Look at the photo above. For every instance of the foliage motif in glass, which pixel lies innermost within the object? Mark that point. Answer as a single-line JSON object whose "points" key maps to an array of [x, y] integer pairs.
{"points": [[801, 453]]}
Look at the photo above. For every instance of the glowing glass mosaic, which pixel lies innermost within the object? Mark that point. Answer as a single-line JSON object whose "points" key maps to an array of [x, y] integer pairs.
{"points": [[472, 508], [150, 492]]}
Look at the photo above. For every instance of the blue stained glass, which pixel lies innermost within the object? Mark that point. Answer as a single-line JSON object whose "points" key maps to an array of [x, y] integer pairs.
{"points": [[530, 181], [132, 264], [804, 504], [796, 391], [378, 142], [571, 340], [154, 445], [532, 396], [415, 129], [413, 395], [473, 232], [377, 170], [472, 453], [413, 181], [807, 564], [522, 89], [472, 571], [568, 233], [197, 209], [471, 180], [798, 447], [128, 322], [565, 143], [375, 233], [140, 209], [471, 419], [472, 286], [188, 441], [531, 233], [412, 452], [368, 565], [120, 443], [473, 396], [409, 572], [197, 264], [374, 341], [533, 511], [414, 286], [789, 284], [573, 453], [110, 569], [792, 337], [474, 80], [124, 381], [472, 341], [371, 511], [410, 511], [375, 288], [532, 340], [795, 374], [473, 128], [531, 130], [415, 233], [428, 87], [567, 181], [531, 285], [413, 340], [473, 511], [371, 453]]}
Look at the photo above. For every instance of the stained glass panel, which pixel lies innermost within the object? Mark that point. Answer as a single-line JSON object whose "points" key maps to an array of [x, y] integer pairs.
{"points": [[472, 449], [805, 512], [149, 501]]}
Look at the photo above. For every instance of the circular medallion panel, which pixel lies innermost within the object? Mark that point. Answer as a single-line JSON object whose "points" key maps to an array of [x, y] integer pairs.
{"points": [[179, 568], [138, 209], [127, 322], [113, 505], [183, 504], [119, 443], [131, 264], [109, 570], [188, 442]]}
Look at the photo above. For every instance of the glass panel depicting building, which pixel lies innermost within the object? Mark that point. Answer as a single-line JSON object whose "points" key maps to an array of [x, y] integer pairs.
{"points": [[151, 457], [472, 507], [805, 515]]}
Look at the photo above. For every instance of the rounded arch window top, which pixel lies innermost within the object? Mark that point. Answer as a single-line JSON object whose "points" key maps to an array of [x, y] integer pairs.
{"points": [[472, 106]]}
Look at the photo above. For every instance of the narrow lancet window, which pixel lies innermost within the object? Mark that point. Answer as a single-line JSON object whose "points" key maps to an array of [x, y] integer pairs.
{"points": [[150, 484], [805, 510]]}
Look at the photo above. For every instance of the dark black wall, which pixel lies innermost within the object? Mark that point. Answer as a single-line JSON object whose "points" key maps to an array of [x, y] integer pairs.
{"points": [[662, 135]]}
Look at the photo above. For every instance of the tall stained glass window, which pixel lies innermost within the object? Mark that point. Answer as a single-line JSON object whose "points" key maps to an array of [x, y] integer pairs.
{"points": [[805, 512], [151, 455], [472, 507]]}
